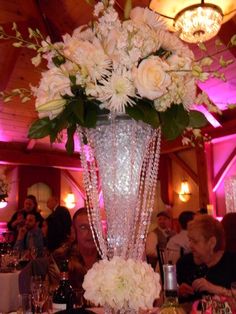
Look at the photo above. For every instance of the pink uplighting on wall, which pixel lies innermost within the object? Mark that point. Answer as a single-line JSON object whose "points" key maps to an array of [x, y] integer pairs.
{"points": [[224, 173]]}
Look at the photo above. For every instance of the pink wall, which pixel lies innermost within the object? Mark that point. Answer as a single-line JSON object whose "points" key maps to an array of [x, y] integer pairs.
{"points": [[221, 149]]}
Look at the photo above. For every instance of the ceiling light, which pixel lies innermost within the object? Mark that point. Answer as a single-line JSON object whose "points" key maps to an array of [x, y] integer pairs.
{"points": [[196, 21]]}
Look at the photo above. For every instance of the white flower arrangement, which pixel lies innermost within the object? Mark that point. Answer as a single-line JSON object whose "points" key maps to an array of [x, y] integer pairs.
{"points": [[135, 66], [121, 283], [4, 186]]}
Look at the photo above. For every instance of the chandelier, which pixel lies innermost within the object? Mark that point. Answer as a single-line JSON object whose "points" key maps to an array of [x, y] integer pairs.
{"points": [[196, 21]]}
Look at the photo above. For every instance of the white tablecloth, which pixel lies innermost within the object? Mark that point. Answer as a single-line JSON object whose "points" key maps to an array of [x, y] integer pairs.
{"points": [[9, 291]]}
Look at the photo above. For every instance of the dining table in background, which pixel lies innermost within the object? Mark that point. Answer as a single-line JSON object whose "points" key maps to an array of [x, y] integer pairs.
{"points": [[9, 291]]}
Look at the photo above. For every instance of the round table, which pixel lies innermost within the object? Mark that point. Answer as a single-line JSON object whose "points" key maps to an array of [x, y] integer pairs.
{"points": [[9, 291]]}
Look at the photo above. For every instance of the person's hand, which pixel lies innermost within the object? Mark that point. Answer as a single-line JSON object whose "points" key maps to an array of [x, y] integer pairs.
{"points": [[185, 290], [22, 232], [19, 220], [202, 284]]}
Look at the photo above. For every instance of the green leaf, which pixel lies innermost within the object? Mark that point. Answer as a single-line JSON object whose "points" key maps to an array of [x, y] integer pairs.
{"points": [[174, 120], [134, 112], [202, 46], [149, 114], [77, 107], [40, 128], [58, 60], [197, 119], [233, 40], [72, 79], [70, 146], [90, 117]]}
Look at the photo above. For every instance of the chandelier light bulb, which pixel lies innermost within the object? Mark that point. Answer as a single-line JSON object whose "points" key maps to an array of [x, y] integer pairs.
{"points": [[198, 23]]}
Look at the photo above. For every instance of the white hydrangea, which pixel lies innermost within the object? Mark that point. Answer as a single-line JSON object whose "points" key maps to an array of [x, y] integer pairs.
{"points": [[121, 284]]}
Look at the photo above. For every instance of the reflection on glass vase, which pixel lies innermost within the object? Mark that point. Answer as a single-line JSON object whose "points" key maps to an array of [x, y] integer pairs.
{"points": [[122, 158]]}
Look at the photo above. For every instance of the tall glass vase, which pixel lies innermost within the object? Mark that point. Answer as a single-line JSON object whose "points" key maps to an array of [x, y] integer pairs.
{"points": [[122, 157]]}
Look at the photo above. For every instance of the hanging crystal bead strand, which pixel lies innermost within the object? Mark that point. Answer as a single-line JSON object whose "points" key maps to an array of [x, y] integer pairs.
{"points": [[91, 188], [146, 196]]}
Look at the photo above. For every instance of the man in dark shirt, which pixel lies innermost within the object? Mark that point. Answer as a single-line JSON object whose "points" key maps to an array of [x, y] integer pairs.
{"points": [[60, 214]]}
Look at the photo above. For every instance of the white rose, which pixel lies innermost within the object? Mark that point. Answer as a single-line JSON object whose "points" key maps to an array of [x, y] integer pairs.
{"points": [[150, 78]]}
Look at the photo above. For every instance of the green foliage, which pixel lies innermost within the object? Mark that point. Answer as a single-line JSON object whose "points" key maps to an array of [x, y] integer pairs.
{"points": [[174, 120], [197, 119], [40, 128]]}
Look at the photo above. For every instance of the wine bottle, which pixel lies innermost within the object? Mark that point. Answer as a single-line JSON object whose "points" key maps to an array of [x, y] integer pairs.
{"points": [[171, 304], [63, 296]]}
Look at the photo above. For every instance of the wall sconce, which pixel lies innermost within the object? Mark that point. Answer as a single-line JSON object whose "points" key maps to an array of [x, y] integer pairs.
{"points": [[70, 200], [3, 203], [184, 194]]}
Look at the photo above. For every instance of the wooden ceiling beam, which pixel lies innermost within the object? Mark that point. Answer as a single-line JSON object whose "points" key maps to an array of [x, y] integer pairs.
{"points": [[226, 32], [18, 155], [184, 166]]}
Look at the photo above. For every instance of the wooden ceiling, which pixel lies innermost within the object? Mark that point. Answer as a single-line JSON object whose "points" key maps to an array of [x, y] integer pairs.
{"points": [[55, 18]]}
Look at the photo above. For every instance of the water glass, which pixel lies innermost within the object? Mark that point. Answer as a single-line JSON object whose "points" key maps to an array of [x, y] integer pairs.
{"points": [[79, 298], [39, 296], [24, 304]]}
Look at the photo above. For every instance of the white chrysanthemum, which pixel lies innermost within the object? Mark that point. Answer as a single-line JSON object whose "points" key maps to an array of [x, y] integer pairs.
{"points": [[117, 91], [121, 284], [90, 57], [146, 16]]}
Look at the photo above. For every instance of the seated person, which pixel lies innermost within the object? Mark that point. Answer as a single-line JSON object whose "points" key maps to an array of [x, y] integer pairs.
{"points": [[30, 236], [229, 225], [208, 269], [158, 237], [179, 243], [81, 255], [18, 218]]}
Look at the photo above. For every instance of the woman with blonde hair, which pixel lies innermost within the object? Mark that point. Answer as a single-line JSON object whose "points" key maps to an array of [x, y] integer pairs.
{"points": [[208, 269]]}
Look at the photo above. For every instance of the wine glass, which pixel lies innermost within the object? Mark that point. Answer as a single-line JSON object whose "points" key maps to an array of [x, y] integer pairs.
{"points": [[39, 295], [233, 290]]}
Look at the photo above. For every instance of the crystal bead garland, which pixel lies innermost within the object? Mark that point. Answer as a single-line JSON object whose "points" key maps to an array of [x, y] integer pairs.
{"points": [[126, 153]]}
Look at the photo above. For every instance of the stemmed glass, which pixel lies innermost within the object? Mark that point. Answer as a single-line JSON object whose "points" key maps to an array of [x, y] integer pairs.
{"points": [[233, 292], [39, 294], [233, 289]]}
